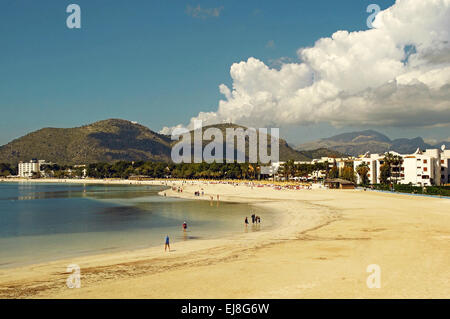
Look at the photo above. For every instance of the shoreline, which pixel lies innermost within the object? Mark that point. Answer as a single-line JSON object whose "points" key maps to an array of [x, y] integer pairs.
{"points": [[264, 237], [323, 235], [230, 234], [165, 182]]}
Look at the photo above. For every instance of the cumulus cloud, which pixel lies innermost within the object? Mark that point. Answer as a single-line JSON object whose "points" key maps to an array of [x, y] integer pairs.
{"points": [[203, 13], [396, 74]]}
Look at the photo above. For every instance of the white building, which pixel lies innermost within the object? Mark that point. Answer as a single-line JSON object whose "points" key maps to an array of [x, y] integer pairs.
{"points": [[27, 169], [422, 168], [373, 163], [445, 167]]}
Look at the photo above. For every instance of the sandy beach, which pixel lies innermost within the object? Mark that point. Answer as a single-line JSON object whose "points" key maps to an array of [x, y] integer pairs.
{"points": [[321, 247]]}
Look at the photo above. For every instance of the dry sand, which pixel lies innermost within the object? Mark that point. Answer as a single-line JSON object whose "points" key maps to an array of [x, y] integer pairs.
{"points": [[324, 241]]}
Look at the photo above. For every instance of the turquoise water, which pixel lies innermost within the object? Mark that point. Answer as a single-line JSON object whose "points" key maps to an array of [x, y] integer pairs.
{"points": [[42, 222]]}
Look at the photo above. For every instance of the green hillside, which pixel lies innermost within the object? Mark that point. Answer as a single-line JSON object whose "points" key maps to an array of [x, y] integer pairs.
{"points": [[114, 140], [104, 141]]}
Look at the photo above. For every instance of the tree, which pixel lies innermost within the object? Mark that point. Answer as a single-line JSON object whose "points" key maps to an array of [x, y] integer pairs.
{"points": [[348, 174], [385, 173], [7, 169], [334, 172], [363, 170], [391, 168], [288, 169]]}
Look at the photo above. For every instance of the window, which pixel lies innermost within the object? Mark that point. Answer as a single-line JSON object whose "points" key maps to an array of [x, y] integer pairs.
{"points": [[442, 161], [425, 169], [425, 177], [425, 161]]}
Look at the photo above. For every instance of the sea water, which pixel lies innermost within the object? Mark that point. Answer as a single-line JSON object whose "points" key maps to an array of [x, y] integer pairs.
{"points": [[42, 222]]}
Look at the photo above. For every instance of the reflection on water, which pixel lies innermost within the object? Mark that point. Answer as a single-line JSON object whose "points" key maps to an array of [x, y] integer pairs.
{"points": [[48, 221], [29, 191]]}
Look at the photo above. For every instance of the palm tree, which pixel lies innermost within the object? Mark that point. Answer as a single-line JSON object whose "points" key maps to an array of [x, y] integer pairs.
{"points": [[251, 171], [363, 170], [289, 169], [392, 167]]}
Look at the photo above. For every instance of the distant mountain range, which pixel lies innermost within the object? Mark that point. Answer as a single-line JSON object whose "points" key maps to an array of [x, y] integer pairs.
{"points": [[113, 140], [356, 143]]}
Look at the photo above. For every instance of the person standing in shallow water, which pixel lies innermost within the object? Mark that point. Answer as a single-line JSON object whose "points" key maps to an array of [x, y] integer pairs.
{"points": [[167, 245], [246, 221]]}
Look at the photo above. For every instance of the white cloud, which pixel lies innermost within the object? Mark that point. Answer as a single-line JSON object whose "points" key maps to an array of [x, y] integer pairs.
{"points": [[435, 141], [203, 13], [397, 74]]}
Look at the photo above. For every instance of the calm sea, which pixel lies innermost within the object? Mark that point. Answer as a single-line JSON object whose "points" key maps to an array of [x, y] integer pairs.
{"points": [[42, 222]]}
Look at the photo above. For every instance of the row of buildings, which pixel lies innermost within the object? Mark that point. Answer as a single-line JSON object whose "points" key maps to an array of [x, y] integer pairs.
{"points": [[35, 168], [422, 168]]}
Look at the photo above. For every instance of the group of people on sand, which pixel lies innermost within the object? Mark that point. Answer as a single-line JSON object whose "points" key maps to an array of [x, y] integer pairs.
{"points": [[178, 189], [197, 193], [255, 219]]}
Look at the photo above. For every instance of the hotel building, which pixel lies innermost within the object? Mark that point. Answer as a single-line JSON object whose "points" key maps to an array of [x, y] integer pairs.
{"points": [[27, 169], [422, 168]]}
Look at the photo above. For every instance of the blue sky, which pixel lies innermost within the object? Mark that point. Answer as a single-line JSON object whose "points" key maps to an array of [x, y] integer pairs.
{"points": [[154, 62]]}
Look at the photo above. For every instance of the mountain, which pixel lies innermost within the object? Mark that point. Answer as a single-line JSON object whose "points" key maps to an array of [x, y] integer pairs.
{"points": [[356, 143], [322, 152], [103, 141], [108, 141], [286, 152], [405, 145], [446, 143]]}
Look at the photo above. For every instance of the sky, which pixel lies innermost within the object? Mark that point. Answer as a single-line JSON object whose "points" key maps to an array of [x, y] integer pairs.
{"points": [[261, 63]]}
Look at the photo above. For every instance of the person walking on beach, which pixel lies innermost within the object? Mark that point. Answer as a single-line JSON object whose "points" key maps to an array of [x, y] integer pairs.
{"points": [[246, 221], [253, 218], [167, 245], [184, 226]]}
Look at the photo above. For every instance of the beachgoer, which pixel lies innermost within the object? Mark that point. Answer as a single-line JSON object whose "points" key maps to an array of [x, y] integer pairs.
{"points": [[253, 218], [184, 226], [167, 245], [246, 221]]}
